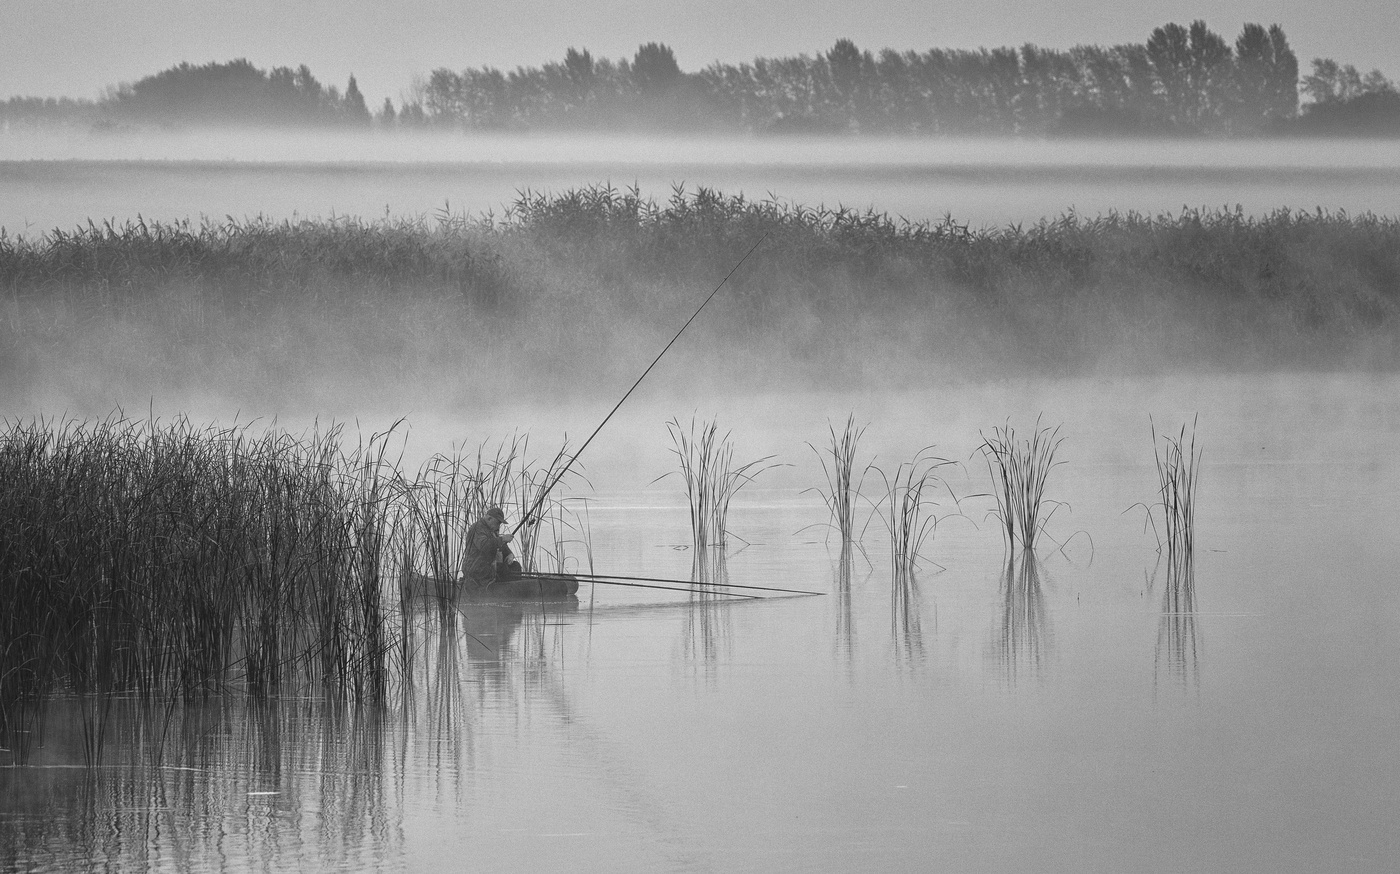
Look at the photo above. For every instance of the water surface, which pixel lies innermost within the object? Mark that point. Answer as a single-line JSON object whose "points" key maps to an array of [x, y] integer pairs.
{"points": [[1063, 714]]}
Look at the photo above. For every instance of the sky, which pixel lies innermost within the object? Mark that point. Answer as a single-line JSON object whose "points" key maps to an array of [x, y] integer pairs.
{"points": [[76, 48]]}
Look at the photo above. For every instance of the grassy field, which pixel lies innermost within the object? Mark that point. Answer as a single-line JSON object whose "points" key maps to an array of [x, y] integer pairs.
{"points": [[574, 290]]}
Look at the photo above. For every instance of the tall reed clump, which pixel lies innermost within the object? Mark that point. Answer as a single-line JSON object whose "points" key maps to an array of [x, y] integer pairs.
{"points": [[449, 492], [712, 478], [843, 487], [906, 509], [1019, 469], [165, 559], [1178, 461]]}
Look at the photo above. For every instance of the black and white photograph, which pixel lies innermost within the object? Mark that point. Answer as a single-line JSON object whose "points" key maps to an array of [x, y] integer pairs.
{"points": [[823, 436]]}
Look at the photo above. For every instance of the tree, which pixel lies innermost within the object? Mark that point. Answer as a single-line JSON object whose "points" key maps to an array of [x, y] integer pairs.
{"points": [[654, 68], [1169, 49], [356, 113], [386, 115], [1282, 78]]}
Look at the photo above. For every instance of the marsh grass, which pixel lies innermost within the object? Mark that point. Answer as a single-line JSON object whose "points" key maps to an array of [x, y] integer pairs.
{"points": [[712, 478], [1178, 462], [843, 486], [907, 507], [351, 298], [1019, 469], [171, 562]]}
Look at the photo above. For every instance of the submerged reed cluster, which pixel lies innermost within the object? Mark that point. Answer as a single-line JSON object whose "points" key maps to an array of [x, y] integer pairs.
{"points": [[842, 493], [1178, 461], [711, 477], [1019, 469]]}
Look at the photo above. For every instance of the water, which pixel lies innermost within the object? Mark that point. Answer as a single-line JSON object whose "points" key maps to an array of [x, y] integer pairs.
{"points": [[47, 183], [1066, 723]]}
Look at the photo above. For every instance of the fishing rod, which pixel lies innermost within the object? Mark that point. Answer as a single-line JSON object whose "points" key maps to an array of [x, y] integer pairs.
{"points": [[606, 582], [608, 577], [552, 483]]}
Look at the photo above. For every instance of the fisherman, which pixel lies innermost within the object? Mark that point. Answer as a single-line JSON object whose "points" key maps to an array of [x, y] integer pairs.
{"points": [[489, 559]]}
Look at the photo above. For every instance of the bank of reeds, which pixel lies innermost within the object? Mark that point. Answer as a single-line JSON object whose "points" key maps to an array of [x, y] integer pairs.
{"points": [[1306, 289], [1019, 469], [170, 561], [711, 477]]}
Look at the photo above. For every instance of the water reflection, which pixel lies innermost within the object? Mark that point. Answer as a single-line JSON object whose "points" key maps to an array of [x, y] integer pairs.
{"points": [[1022, 637], [906, 628], [239, 783], [1177, 654], [707, 628], [231, 784], [845, 626]]}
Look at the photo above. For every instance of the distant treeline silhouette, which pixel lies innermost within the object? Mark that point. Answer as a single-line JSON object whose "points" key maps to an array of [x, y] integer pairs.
{"points": [[228, 94], [1183, 81]]}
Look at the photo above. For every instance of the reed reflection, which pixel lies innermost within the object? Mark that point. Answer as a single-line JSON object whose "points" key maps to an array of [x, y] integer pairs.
{"points": [[1177, 654], [906, 605], [231, 783], [845, 626], [1023, 637], [707, 619]]}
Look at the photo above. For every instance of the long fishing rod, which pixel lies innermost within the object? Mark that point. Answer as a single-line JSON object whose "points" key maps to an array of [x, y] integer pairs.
{"points": [[552, 483], [607, 582], [605, 577]]}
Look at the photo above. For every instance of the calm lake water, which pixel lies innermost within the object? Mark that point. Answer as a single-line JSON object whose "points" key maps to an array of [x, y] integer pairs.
{"points": [[48, 183], [1074, 720]]}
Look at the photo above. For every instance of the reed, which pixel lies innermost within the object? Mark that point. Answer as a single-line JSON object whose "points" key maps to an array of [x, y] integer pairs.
{"points": [[1285, 288], [712, 478], [168, 561], [1178, 461], [1019, 469], [907, 508], [843, 487]]}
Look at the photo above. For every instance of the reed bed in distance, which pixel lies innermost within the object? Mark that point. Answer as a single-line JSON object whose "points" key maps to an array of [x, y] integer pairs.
{"points": [[1019, 468]]}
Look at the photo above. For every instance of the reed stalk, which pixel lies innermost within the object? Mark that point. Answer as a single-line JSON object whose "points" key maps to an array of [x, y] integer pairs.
{"points": [[843, 488], [712, 478], [1178, 462], [907, 507], [1019, 469]]}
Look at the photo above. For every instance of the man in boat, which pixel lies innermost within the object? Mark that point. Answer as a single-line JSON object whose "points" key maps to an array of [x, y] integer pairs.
{"points": [[489, 559]]}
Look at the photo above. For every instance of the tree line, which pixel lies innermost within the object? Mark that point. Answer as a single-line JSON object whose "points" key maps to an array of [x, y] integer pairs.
{"points": [[1184, 80]]}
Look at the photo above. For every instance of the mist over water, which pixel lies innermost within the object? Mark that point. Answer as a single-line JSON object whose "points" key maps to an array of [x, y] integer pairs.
{"points": [[48, 183]]}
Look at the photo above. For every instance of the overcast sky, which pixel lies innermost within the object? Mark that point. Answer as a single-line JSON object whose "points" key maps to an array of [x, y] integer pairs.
{"points": [[77, 47]]}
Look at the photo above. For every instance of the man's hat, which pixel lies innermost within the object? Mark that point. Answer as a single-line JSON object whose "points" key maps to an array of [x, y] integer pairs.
{"points": [[496, 512]]}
